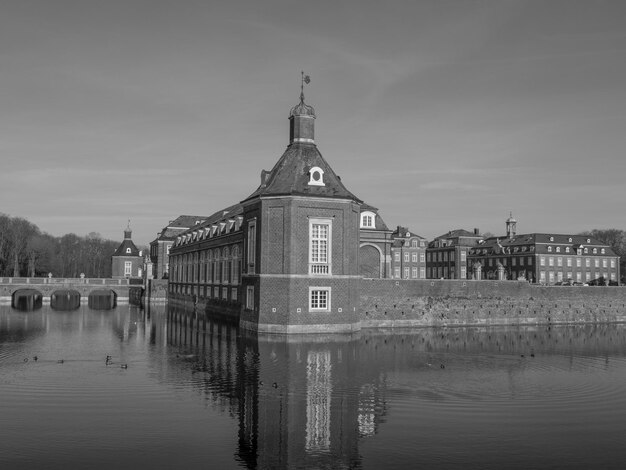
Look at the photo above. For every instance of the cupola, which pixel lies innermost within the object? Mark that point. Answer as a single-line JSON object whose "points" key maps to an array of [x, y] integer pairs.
{"points": [[302, 119], [511, 226]]}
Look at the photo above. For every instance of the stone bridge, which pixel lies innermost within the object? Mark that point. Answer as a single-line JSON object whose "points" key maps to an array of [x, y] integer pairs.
{"points": [[84, 286]]}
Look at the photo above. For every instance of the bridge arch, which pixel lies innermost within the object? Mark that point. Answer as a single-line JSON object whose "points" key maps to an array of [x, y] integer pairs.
{"points": [[26, 299], [65, 299], [102, 299]]}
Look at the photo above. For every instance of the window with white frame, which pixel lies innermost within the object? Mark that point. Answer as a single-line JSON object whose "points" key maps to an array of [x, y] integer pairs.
{"points": [[128, 268], [414, 257], [368, 219], [396, 256], [396, 272], [406, 257], [422, 258], [316, 176], [128, 250], [422, 273], [406, 273], [320, 232], [414, 273], [167, 249], [319, 299]]}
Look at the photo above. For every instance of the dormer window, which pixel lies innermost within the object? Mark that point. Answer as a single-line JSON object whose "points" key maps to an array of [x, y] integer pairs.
{"points": [[368, 219], [588, 240], [567, 249], [550, 249], [558, 249], [595, 251], [128, 250], [602, 251], [316, 176], [551, 239]]}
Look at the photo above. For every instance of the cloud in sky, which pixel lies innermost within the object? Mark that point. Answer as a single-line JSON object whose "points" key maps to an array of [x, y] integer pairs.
{"points": [[444, 114]]}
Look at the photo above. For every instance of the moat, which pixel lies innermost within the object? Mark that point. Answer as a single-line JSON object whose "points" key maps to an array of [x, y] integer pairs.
{"points": [[179, 393]]}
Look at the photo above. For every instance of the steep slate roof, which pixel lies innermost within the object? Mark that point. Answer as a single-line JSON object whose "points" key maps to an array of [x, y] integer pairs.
{"points": [[178, 225], [219, 216], [290, 176], [379, 223], [457, 233], [127, 243]]}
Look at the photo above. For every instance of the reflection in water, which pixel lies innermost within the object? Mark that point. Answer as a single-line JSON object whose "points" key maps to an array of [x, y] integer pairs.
{"points": [[318, 389], [532, 397]]}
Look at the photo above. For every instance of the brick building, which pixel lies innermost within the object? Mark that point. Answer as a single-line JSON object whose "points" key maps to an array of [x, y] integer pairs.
{"points": [[374, 245], [287, 256], [161, 245], [127, 260], [446, 255], [543, 258], [408, 254]]}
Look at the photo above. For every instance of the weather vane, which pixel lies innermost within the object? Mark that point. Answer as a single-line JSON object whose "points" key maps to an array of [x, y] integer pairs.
{"points": [[305, 79]]}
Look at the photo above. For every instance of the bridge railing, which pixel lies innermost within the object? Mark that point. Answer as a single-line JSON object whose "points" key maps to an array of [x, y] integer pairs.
{"points": [[65, 280]]}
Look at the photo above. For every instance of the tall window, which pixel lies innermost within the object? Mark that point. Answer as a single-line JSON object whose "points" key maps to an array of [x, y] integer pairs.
{"points": [[319, 299], [251, 255], [319, 246], [250, 297], [128, 268]]}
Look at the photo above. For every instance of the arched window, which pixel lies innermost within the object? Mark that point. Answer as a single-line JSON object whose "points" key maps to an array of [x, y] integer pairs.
{"points": [[316, 176], [368, 219], [128, 250]]}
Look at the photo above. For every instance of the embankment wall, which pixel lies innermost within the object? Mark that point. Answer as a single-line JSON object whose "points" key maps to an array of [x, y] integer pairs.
{"points": [[389, 303]]}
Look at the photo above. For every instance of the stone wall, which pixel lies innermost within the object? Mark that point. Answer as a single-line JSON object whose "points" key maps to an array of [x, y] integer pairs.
{"points": [[411, 303]]}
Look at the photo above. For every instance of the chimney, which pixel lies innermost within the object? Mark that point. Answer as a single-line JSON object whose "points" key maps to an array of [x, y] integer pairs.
{"points": [[476, 231]]}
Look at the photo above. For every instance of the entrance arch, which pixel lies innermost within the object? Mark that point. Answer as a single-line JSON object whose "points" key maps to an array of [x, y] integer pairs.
{"points": [[370, 261]]}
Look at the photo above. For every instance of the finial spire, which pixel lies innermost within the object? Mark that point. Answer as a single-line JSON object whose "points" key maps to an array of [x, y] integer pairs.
{"points": [[305, 79]]}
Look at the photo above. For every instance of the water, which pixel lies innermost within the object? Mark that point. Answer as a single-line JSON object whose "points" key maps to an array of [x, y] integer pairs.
{"points": [[208, 396]]}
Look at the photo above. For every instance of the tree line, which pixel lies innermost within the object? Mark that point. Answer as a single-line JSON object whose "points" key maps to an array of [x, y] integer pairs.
{"points": [[27, 251]]}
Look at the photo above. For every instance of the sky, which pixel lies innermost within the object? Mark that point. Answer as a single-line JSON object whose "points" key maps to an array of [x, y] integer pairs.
{"points": [[443, 114]]}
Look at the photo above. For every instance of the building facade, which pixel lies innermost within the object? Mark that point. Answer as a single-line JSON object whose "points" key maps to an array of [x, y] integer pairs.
{"points": [[287, 255], [446, 255], [161, 245], [544, 258], [127, 260], [374, 245], [408, 254]]}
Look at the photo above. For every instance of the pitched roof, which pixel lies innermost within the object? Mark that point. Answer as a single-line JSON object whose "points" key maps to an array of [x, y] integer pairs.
{"points": [[541, 242], [458, 233], [178, 225], [121, 250], [290, 176], [379, 223]]}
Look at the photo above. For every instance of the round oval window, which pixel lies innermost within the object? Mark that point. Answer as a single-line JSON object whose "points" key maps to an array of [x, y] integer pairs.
{"points": [[316, 175]]}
